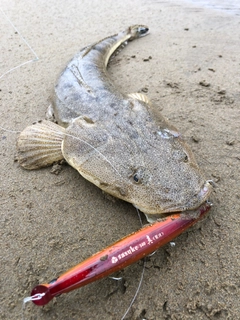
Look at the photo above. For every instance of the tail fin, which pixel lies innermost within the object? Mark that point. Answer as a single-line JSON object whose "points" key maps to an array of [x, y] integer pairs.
{"points": [[39, 145]]}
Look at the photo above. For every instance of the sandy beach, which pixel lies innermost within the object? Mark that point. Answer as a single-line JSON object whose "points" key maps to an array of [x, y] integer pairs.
{"points": [[50, 222]]}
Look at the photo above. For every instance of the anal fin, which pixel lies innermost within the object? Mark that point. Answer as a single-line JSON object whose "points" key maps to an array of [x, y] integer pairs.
{"points": [[39, 145]]}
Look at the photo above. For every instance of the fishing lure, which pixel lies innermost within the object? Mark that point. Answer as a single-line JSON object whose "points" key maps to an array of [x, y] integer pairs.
{"points": [[118, 255]]}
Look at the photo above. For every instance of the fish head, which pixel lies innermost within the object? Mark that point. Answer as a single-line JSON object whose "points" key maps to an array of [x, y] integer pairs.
{"points": [[139, 162], [165, 187]]}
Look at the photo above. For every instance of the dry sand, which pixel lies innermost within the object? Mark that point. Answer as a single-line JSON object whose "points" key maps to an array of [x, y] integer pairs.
{"points": [[51, 222]]}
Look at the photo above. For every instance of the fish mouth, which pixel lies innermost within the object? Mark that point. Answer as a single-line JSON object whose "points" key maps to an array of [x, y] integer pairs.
{"points": [[205, 191], [198, 198], [194, 203]]}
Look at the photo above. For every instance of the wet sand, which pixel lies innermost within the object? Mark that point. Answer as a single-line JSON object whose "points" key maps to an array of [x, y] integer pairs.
{"points": [[51, 222]]}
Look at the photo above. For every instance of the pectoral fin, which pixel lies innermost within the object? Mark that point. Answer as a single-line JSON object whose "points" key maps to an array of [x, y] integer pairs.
{"points": [[140, 96], [39, 145]]}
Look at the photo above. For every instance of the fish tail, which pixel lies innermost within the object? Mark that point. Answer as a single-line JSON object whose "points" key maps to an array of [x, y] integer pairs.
{"points": [[39, 145]]}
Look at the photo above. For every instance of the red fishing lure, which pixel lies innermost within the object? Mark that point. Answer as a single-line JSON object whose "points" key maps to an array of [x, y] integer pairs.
{"points": [[119, 255]]}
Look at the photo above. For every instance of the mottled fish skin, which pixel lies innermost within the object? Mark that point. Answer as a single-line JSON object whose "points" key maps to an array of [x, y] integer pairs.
{"points": [[84, 87], [126, 147], [119, 142]]}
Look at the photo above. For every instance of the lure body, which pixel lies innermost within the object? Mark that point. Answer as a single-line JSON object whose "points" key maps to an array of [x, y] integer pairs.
{"points": [[119, 255]]}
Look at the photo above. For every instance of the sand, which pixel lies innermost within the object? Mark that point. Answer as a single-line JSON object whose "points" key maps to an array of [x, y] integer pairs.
{"points": [[51, 222]]}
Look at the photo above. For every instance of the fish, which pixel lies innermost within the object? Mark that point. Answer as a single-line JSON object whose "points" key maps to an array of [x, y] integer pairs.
{"points": [[119, 142]]}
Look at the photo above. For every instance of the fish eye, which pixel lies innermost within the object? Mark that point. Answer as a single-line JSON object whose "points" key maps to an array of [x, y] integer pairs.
{"points": [[142, 30], [185, 158], [138, 175], [136, 178]]}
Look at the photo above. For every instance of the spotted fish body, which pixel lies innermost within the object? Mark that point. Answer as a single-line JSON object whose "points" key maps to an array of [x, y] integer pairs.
{"points": [[119, 142]]}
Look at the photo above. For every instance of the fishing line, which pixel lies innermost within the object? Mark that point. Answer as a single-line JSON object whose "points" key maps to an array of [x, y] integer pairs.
{"points": [[141, 278], [92, 147], [8, 130], [136, 293], [74, 137], [24, 40]]}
